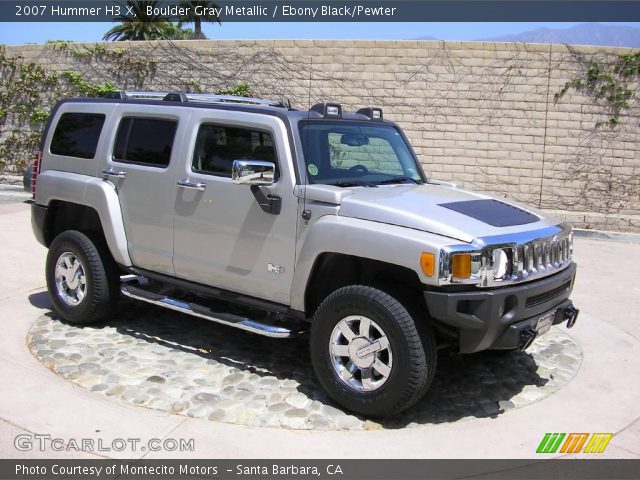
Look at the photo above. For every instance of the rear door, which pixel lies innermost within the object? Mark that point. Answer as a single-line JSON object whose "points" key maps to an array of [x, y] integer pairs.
{"points": [[142, 165]]}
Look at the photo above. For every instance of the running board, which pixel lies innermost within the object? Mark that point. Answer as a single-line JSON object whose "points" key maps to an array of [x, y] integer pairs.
{"points": [[200, 311]]}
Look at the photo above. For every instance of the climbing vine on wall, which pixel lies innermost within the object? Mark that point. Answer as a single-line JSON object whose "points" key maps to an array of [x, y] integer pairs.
{"points": [[28, 91], [610, 84]]}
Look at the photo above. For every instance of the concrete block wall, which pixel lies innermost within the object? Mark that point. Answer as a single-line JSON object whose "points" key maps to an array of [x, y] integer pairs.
{"points": [[483, 115]]}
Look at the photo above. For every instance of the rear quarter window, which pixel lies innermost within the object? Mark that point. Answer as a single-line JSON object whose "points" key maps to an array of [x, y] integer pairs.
{"points": [[77, 134]]}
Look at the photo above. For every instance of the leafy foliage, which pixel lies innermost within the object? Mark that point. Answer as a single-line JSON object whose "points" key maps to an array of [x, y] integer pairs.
{"points": [[240, 90], [608, 84], [140, 26], [208, 15]]}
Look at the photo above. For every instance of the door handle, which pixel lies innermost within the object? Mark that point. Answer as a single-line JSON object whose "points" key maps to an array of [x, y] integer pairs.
{"points": [[112, 172], [192, 185]]}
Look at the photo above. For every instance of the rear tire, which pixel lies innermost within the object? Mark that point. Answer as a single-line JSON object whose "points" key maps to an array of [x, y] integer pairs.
{"points": [[82, 278], [368, 353]]}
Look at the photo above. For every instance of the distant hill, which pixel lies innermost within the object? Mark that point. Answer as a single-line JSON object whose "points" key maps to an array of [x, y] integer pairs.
{"points": [[583, 34]]}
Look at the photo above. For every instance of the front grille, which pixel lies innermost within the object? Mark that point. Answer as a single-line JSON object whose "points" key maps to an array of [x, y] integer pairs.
{"points": [[540, 255], [546, 296]]}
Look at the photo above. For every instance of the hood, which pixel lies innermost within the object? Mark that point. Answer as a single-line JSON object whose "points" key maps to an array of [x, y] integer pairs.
{"points": [[443, 210]]}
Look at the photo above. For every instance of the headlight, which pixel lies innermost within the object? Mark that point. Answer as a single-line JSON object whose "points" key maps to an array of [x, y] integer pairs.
{"points": [[500, 264]]}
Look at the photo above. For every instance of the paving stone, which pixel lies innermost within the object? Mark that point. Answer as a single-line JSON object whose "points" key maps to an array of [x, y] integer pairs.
{"points": [[88, 367], [278, 407], [156, 379], [117, 390], [67, 369], [298, 400], [296, 412], [198, 412], [178, 407], [217, 415], [249, 380], [206, 399]]}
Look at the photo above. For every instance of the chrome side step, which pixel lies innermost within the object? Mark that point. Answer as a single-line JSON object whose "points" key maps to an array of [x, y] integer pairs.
{"points": [[200, 311]]}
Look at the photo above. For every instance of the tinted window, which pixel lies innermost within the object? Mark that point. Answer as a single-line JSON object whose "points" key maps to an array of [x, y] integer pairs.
{"points": [[145, 140], [77, 134], [217, 147]]}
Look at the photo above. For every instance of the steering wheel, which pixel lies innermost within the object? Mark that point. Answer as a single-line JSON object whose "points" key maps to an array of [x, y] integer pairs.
{"points": [[361, 169]]}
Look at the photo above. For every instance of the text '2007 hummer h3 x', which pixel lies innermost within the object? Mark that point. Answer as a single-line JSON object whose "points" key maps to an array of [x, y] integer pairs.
{"points": [[278, 221]]}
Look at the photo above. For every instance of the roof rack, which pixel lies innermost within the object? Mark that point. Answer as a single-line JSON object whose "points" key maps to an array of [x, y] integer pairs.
{"points": [[196, 98]]}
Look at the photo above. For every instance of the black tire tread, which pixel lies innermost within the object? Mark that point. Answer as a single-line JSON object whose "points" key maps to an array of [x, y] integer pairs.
{"points": [[102, 293], [419, 341]]}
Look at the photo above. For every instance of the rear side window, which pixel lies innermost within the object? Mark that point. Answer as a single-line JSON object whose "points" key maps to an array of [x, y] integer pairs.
{"points": [[147, 141], [77, 135]]}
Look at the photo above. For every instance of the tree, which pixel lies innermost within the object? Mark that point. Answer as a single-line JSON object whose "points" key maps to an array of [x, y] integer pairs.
{"points": [[175, 32], [206, 14], [141, 26]]}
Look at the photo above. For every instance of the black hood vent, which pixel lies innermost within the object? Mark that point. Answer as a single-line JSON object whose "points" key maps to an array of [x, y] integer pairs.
{"points": [[492, 212]]}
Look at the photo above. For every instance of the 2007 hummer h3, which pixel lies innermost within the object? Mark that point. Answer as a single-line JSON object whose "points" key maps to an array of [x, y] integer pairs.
{"points": [[278, 221]]}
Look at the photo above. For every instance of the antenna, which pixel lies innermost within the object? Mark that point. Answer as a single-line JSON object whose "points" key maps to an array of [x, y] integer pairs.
{"points": [[306, 214]]}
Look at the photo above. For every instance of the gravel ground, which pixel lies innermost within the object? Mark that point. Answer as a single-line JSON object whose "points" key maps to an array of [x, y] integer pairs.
{"points": [[159, 359]]}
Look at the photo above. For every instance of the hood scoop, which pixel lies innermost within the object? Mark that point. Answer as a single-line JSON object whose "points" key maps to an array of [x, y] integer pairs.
{"points": [[492, 212]]}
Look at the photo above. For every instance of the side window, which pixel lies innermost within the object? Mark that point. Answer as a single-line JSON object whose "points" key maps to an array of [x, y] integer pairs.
{"points": [[147, 141], [376, 154], [77, 134], [217, 147]]}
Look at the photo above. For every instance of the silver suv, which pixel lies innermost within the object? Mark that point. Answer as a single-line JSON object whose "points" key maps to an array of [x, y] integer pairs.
{"points": [[278, 221]]}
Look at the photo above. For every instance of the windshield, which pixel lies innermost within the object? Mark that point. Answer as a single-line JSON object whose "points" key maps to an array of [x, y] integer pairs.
{"points": [[348, 154]]}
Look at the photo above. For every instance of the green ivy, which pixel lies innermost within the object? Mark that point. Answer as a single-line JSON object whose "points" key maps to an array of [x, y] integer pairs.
{"points": [[240, 90], [28, 90], [38, 115], [86, 88], [608, 84], [193, 87]]}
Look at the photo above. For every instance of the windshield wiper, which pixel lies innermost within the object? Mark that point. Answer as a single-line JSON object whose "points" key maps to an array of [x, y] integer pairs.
{"points": [[399, 179], [353, 183]]}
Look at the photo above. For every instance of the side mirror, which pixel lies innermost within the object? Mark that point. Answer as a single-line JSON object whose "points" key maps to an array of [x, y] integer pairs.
{"points": [[252, 172]]}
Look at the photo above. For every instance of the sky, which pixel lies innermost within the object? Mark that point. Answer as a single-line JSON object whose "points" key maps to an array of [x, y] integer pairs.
{"points": [[20, 33]]}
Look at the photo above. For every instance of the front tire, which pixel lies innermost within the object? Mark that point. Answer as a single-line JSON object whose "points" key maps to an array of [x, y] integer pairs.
{"points": [[82, 278], [368, 353]]}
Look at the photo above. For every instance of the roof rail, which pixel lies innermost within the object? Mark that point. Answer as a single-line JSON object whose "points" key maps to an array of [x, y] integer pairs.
{"points": [[196, 98]]}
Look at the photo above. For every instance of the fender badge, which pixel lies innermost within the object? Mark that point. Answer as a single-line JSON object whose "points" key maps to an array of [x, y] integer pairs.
{"points": [[275, 268]]}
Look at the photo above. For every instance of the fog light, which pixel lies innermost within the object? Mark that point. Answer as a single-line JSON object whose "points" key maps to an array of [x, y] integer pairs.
{"points": [[461, 266]]}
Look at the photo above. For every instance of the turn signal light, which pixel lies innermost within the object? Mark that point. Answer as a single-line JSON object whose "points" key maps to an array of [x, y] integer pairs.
{"points": [[461, 266], [428, 263]]}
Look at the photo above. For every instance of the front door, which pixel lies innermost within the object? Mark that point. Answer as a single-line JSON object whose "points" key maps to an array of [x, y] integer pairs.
{"points": [[222, 236]]}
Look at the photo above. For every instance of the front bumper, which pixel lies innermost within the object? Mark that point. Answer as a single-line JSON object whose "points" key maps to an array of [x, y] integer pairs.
{"points": [[501, 317]]}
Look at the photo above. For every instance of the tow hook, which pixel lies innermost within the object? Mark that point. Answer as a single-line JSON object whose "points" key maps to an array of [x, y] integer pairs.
{"points": [[527, 336], [570, 314]]}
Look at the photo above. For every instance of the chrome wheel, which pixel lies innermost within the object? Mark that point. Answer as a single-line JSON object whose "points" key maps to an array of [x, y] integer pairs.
{"points": [[360, 353], [70, 279]]}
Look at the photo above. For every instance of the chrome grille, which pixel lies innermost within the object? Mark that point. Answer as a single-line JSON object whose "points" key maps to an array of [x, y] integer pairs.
{"points": [[530, 255], [540, 257]]}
